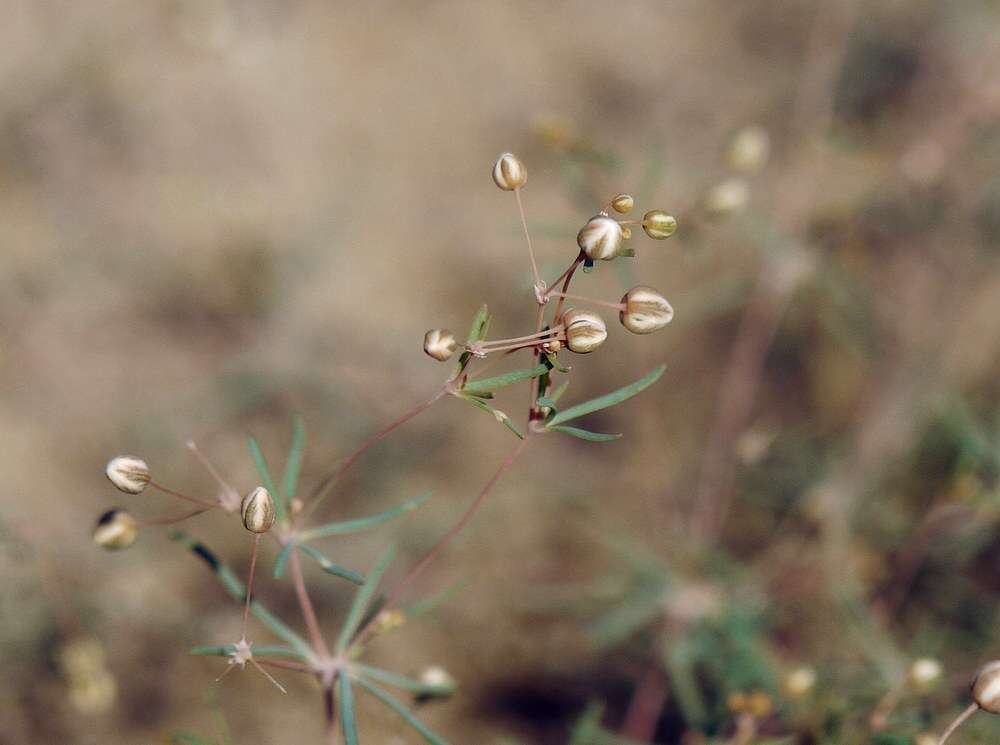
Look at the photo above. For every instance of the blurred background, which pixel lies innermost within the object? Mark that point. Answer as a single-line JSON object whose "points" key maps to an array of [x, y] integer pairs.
{"points": [[218, 214]]}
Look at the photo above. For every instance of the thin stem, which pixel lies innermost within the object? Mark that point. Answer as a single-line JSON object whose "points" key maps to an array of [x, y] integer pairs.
{"points": [[171, 519], [645, 708], [253, 569], [330, 710], [204, 503], [569, 271], [880, 715], [394, 594], [584, 298], [959, 721], [536, 354], [267, 675], [527, 237], [519, 338], [305, 604], [520, 345], [567, 278], [223, 484], [318, 494], [297, 667]]}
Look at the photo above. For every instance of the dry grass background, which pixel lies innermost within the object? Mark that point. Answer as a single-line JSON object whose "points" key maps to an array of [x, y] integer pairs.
{"points": [[216, 214]]}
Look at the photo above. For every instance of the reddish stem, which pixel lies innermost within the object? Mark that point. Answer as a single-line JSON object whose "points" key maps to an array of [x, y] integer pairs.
{"points": [[204, 503], [645, 707], [305, 604], [253, 569]]}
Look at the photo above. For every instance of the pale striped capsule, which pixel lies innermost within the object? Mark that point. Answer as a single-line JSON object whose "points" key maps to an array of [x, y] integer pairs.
{"points": [[115, 530], [509, 173], [585, 330], [257, 510], [645, 310], [128, 473], [439, 344], [659, 225], [601, 238], [986, 687]]}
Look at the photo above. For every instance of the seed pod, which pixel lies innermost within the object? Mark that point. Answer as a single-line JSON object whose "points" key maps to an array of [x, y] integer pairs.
{"points": [[439, 344], [645, 310], [623, 203], [728, 197], [509, 173], [799, 682], [924, 673], [585, 330], [986, 687], [749, 149], [115, 530], [601, 238], [128, 473], [439, 680], [257, 510], [658, 224]]}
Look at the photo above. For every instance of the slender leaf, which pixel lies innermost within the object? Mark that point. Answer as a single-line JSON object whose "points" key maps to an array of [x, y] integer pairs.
{"points": [[497, 414], [588, 725], [362, 598], [265, 475], [393, 703], [351, 526], [237, 590], [434, 601], [258, 651], [480, 325], [282, 560], [608, 399], [584, 434], [293, 466], [329, 567], [558, 392], [401, 681], [499, 381], [189, 738], [347, 711]]}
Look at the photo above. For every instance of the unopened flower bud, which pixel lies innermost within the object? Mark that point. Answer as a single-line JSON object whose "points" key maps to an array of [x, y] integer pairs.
{"points": [[438, 679], [626, 232], [257, 510], [585, 330], [128, 473], [728, 197], [924, 673], [623, 203], [986, 687], [749, 149], [115, 530], [388, 620], [645, 310], [509, 173], [658, 224], [799, 682], [552, 346], [439, 344], [601, 238]]}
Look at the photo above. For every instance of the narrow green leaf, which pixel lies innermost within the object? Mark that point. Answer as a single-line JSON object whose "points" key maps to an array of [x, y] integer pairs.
{"points": [[545, 401], [480, 325], [608, 399], [329, 567], [401, 681], [293, 466], [393, 703], [499, 381], [237, 590], [497, 414], [362, 598], [265, 476], [553, 362], [282, 560], [584, 434], [588, 725], [258, 651], [347, 711], [189, 738], [558, 392], [351, 526], [434, 601]]}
